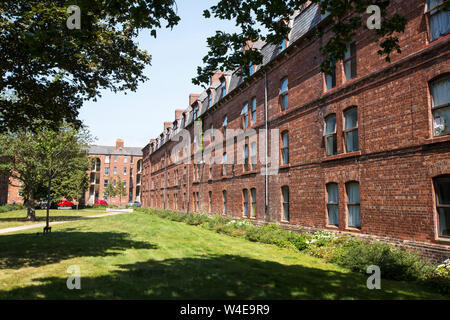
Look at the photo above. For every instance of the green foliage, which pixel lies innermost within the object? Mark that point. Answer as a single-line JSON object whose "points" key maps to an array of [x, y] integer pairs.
{"points": [[394, 263], [440, 277], [10, 207], [263, 20], [66, 67]]}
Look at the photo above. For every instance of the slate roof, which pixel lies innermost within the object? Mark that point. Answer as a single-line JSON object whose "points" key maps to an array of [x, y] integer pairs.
{"points": [[301, 23], [126, 151]]}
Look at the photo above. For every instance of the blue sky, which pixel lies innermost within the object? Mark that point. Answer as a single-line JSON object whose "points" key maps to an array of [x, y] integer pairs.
{"points": [[139, 116]]}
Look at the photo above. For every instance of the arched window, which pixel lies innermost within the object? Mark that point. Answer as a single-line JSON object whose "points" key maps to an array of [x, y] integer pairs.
{"points": [[351, 129], [285, 202], [333, 204], [284, 94], [330, 135], [353, 204], [440, 105], [442, 191]]}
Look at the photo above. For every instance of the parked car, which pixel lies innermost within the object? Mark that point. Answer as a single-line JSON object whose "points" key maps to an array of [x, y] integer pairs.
{"points": [[43, 205], [101, 203], [65, 204], [134, 204]]}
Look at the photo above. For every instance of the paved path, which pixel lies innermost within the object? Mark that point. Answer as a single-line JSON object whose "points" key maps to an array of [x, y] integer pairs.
{"points": [[37, 225]]}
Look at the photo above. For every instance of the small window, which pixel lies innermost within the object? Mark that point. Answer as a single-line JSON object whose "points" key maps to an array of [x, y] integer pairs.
{"points": [[195, 112], [331, 78], [131, 159], [254, 157], [210, 201], [282, 46], [253, 192], [225, 124], [209, 99], [253, 110], [223, 89], [285, 147], [244, 115], [285, 198], [333, 204], [440, 106], [251, 69], [245, 194], [351, 130], [115, 171], [246, 159], [124, 171], [442, 190], [107, 159], [350, 61], [439, 19], [224, 164], [115, 158], [224, 195], [125, 159], [330, 135], [353, 205], [284, 94], [105, 183], [211, 163], [106, 171]]}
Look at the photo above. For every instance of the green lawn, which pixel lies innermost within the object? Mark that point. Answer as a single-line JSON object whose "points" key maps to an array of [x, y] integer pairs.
{"points": [[18, 217], [141, 256]]}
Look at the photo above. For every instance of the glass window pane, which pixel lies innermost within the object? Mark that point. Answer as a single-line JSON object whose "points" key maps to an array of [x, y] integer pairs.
{"points": [[285, 191], [285, 140], [351, 141], [285, 102], [440, 91], [332, 190], [330, 124], [284, 85], [333, 214], [444, 221], [351, 118], [439, 20], [443, 190], [441, 121], [353, 192], [331, 145], [354, 216]]}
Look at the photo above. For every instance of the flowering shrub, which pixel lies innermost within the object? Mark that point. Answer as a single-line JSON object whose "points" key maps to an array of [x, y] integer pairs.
{"points": [[440, 277]]}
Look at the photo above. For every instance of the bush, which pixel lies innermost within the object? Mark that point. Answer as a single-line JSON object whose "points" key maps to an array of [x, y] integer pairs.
{"points": [[394, 264], [10, 207], [440, 277]]}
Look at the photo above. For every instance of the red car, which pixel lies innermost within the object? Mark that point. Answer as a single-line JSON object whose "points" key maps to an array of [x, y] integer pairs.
{"points": [[65, 204], [100, 203]]}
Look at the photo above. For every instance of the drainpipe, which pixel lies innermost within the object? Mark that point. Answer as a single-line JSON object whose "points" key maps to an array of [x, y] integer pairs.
{"points": [[266, 177], [165, 178]]}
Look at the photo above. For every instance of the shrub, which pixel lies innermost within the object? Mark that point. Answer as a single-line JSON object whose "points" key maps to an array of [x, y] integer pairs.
{"points": [[440, 277], [395, 264]]}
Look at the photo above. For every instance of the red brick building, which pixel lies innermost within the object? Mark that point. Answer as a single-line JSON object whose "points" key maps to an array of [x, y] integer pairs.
{"points": [[111, 164], [364, 151]]}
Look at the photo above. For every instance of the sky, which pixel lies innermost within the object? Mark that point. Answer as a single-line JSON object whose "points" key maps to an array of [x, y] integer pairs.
{"points": [[139, 116]]}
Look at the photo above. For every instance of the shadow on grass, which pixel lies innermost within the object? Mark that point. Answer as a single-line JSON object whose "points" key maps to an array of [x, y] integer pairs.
{"points": [[23, 250], [211, 277], [40, 219]]}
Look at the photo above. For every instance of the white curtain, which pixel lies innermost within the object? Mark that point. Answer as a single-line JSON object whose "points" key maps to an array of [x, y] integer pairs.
{"points": [[439, 20], [333, 210], [440, 91], [354, 214]]}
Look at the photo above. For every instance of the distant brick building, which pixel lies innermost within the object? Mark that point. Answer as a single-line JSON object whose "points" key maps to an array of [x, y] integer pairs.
{"points": [[364, 151], [111, 163]]}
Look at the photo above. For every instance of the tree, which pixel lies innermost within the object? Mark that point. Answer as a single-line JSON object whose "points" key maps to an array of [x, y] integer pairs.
{"points": [[110, 190], [47, 70], [73, 185], [253, 16], [121, 189], [39, 158]]}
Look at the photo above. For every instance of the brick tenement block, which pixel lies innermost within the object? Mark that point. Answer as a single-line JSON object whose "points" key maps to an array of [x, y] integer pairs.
{"points": [[395, 164]]}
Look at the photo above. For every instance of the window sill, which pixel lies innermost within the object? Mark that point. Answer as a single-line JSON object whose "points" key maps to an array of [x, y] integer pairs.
{"points": [[353, 229], [247, 173], [444, 240], [285, 166], [284, 221], [342, 156], [332, 226], [437, 139]]}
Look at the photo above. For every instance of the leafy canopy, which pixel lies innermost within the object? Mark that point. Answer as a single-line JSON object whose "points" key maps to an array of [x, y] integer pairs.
{"points": [[47, 71], [263, 19]]}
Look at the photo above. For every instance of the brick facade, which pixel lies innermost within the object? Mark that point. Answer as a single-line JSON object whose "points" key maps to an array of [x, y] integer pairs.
{"points": [[395, 163], [111, 163]]}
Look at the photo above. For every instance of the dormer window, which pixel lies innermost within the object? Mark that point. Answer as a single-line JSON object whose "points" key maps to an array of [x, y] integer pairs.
{"points": [[175, 127], [251, 69], [223, 88], [282, 46], [183, 121], [195, 112], [209, 99]]}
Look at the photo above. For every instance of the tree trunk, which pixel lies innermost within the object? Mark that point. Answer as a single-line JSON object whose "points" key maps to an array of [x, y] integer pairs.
{"points": [[31, 212]]}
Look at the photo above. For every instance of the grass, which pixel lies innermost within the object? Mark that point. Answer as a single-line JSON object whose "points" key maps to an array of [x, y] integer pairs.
{"points": [[18, 217], [141, 256]]}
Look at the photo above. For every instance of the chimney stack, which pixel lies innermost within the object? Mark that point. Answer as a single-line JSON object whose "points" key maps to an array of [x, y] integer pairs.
{"points": [[167, 125], [215, 77], [178, 113], [119, 144]]}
